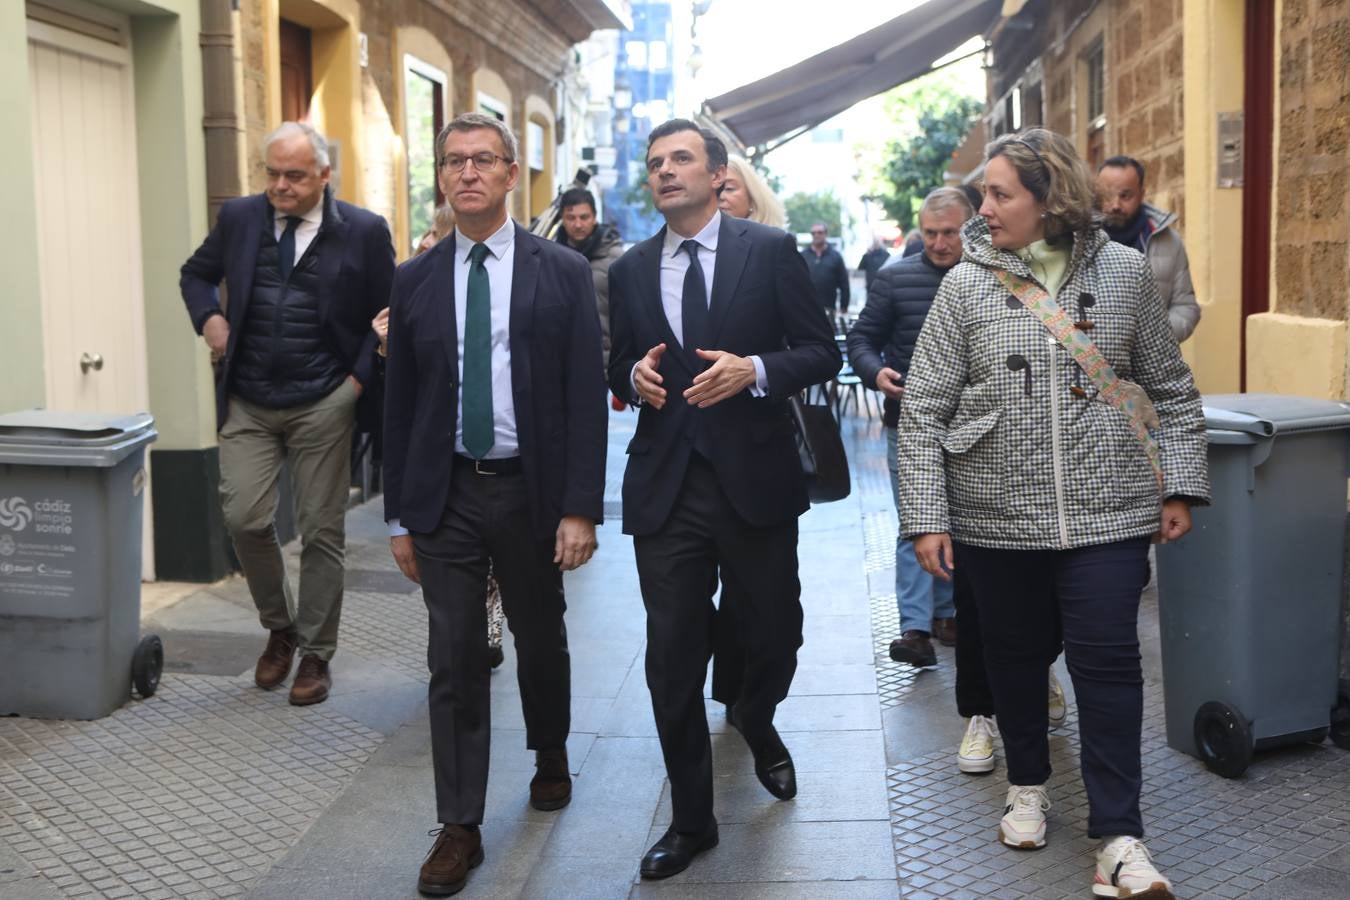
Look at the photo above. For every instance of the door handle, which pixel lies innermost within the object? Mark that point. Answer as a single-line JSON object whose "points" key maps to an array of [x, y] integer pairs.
{"points": [[90, 361]]}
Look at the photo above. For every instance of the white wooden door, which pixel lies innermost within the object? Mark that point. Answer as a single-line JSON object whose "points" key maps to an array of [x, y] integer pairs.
{"points": [[89, 235]]}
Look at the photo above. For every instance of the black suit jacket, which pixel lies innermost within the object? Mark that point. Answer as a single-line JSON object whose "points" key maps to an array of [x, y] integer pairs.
{"points": [[762, 303], [557, 382], [356, 268]]}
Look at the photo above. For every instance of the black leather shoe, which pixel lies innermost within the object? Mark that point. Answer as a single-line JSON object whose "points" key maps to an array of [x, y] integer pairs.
{"points": [[675, 851], [773, 766], [495, 656]]}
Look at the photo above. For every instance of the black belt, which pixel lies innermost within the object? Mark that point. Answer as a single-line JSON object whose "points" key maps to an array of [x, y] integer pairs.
{"points": [[509, 466]]}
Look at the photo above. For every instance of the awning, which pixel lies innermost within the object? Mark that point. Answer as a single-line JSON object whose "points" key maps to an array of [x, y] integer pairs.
{"points": [[802, 96]]}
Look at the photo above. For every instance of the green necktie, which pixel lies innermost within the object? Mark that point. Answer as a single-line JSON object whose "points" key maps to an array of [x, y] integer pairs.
{"points": [[476, 391]]}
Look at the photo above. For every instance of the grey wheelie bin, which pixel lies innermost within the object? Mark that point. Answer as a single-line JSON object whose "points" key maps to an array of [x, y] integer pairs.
{"points": [[1249, 602], [72, 487]]}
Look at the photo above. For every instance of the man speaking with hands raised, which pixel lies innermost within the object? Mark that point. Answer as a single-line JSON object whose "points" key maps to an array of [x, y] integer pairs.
{"points": [[714, 325]]}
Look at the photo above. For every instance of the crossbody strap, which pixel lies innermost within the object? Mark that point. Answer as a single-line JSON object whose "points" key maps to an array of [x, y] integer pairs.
{"points": [[1110, 387]]}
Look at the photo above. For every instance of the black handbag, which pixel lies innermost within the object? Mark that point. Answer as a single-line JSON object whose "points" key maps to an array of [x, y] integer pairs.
{"points": [[821, 449]]}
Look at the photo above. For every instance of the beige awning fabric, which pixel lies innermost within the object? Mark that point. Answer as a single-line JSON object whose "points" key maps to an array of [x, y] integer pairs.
{"points": [[811, 91]]}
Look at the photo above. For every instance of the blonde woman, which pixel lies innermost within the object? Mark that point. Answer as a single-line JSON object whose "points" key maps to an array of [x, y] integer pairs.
{"points": [[1049, 428], [745, 195]]}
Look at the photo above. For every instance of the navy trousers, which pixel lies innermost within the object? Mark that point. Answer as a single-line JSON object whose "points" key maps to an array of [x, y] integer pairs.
{"points": [[1094, 591]]}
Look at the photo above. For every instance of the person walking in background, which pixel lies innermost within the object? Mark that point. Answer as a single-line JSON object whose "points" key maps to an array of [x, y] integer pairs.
{"points": [[306, 273], [1133, 222], [880, 346], [744, 195], [598, 242], [495, 428], [829, 275], [1049, 428], [714, 482], [872, 261]]}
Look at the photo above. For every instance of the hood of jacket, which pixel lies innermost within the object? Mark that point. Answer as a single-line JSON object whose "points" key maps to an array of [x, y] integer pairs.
{"points": [[979, 249], [1159, 219]]}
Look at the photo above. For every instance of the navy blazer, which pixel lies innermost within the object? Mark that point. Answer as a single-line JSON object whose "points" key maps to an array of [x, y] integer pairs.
{"points": [[356, 268], [557, 383], [762, 303]]}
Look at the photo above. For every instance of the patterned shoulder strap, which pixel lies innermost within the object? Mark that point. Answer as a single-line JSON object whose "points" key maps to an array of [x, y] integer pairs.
{"points": [[1109, 385]]}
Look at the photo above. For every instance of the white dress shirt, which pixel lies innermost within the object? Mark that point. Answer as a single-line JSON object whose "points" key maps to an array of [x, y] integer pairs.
{"points": [[674, 265], [304, 232], [498, 263]]}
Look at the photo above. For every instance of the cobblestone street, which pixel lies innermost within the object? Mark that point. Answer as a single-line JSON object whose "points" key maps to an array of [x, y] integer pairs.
{"points": [[213, 788]]}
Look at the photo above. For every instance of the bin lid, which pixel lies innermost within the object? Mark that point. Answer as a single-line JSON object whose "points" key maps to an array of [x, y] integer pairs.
{"points": [[62, 438], [1266, 415]]}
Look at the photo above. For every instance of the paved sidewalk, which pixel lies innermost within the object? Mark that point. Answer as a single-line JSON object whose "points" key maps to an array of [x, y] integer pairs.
{"points": [[215, 789]]}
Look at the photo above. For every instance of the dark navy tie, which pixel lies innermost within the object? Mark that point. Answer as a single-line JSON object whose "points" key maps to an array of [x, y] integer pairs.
{"points": [[693, 303], [286, 248]]}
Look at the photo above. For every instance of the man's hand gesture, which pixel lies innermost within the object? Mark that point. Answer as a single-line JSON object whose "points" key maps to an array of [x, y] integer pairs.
{"points": [[647, 380], [728, 375]]}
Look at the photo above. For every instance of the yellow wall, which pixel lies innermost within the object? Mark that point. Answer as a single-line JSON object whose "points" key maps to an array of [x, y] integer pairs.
{"points": [[1296, 355], [1212, 69], [538, 185], [336, 106]]}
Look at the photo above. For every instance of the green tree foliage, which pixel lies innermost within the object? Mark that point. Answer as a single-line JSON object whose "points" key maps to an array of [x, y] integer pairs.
{"points": [[804, 210], [929, 118]]}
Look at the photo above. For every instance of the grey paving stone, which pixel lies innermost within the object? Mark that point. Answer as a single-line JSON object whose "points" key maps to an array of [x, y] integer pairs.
{"points": [[793, 851], [741, 799], [849, 712], [780, 890]]}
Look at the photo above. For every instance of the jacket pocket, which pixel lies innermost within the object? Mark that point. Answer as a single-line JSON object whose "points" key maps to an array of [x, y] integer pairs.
{"points": [[976, 467]]}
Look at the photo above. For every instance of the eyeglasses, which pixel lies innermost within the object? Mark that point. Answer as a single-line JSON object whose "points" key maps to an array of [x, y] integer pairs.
{"points": [[483, 162]]}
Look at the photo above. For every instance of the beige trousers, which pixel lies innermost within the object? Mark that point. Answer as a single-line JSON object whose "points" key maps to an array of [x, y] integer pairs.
{"points": [[316, 439]]}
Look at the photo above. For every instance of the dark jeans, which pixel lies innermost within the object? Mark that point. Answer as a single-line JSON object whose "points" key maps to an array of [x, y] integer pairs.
{"points": [[973, 696], [487, 518], [1095, 591]]}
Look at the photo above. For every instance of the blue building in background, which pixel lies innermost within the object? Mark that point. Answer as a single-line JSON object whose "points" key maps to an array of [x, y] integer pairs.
{"points": [[644, 96]]}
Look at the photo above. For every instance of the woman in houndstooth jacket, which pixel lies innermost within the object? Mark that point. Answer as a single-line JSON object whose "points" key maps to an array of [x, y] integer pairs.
{"points": [[1045, 482]]}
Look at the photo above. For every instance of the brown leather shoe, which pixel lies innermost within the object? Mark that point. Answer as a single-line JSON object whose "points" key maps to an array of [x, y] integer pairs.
{"points": [[551, 787], [913, 647], [945, 631], [312, 681], [456, 851], [275, 663]]}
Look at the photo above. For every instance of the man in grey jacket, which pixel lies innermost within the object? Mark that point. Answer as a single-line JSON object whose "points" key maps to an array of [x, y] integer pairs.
{"points": [[598, 242], [1134, 223]]}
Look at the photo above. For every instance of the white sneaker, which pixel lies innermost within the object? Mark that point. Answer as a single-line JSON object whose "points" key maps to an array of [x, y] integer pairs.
{"points": [[1124, 869], [1059, 706], [976, 756], [1023, 824]]}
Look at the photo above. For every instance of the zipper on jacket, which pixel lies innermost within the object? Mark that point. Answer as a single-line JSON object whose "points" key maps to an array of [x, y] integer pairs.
{"points": [[1057, 465]]}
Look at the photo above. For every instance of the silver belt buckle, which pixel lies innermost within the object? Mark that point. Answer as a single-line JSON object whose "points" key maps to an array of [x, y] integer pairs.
{"points": [[479, 470]]}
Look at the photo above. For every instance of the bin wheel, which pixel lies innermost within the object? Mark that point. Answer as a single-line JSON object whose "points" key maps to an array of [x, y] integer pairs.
{"points": [[1224, 738], [147, 665], [1340, 720]]}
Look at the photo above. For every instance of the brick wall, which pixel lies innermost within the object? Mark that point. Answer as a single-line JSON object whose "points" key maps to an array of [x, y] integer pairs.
{"points": [[510, 37], [1144, 92], [1312, 219]]}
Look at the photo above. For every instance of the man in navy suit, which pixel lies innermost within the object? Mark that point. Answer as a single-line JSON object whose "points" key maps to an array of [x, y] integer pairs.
{"points": [[495, 440], [714, 326], [294, 352]]}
